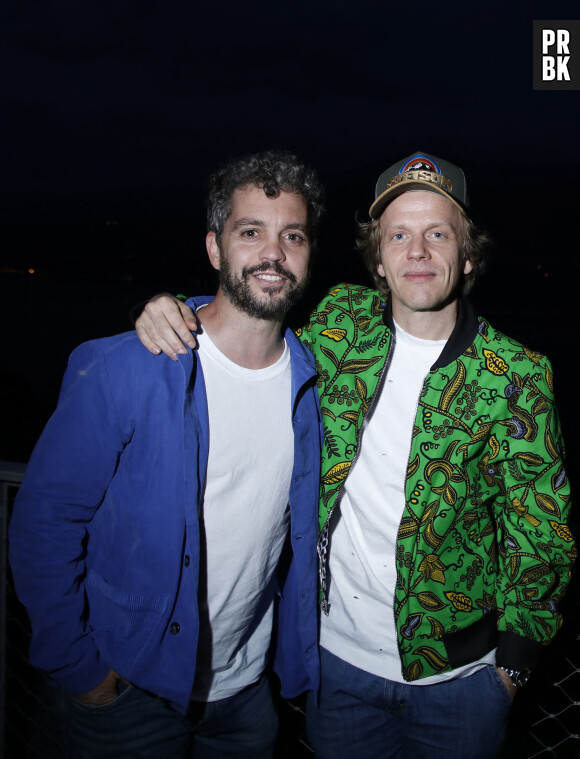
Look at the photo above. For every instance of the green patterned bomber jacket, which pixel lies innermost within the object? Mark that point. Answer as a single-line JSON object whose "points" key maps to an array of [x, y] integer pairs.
{"points": [[483, 550]]}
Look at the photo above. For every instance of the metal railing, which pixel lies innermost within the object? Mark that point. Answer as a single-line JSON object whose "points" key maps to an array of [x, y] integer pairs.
{"points": [[11, 475]]}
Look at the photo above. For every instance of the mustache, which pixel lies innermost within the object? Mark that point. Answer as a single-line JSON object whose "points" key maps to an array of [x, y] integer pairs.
{"points": [[271, 266]]}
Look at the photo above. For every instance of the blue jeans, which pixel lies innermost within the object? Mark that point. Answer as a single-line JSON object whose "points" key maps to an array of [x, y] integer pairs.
{"points": [[364, 716], [138, 725]]}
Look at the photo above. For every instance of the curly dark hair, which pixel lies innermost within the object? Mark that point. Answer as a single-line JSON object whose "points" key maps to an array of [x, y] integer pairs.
{"points": [[274, 171], [472, 244]]}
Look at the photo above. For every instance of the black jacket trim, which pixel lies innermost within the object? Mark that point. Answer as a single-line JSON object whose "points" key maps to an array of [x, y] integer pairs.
{"points": [[516, 652], [477, 640], [471, 643], [464, 332]]}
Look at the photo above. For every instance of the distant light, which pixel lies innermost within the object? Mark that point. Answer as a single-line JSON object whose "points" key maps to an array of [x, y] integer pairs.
{"points": [[31, 271], [546, 274]]}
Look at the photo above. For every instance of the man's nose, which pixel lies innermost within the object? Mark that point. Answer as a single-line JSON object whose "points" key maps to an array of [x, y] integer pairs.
{"points": [[418, 249], [273, 250]]}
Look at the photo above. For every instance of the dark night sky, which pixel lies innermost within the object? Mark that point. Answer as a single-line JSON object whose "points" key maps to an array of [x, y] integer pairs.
{"points": [[134, 96], [117, 111], [125, 107]]}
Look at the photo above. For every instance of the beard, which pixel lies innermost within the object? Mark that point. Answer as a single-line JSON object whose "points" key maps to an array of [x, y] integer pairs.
{"points": [[268, 306]]}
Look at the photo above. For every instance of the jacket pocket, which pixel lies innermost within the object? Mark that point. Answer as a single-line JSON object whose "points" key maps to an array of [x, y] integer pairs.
{"points": [[123, 623]]}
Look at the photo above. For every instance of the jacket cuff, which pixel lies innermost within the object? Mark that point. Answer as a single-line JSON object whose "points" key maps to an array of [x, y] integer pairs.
{"points": [[516, 652]]}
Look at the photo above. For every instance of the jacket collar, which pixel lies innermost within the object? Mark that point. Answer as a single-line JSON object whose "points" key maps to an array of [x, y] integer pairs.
{"points": [[464, 332]]}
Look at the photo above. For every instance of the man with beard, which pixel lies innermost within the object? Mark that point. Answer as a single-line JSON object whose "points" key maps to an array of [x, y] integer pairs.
{"points": [[444, 550], [169, 507]]}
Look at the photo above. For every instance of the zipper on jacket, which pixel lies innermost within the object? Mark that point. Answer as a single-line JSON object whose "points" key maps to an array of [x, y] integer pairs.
{"points": [[322, 546]]}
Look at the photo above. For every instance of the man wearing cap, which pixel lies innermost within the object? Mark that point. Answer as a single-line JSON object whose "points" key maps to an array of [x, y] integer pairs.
{"points": [[443, 544]]}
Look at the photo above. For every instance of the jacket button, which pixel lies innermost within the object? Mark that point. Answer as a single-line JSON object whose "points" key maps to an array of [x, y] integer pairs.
{"points": [[174, 628], [186, 560]]}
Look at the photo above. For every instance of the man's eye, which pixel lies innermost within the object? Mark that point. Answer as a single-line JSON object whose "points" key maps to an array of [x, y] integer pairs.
{"points": [[438, 235], [295, 237], [249, 233], [399, 236]]}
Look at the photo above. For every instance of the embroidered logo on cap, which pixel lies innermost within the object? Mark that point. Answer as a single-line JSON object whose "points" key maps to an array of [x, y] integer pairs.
{"points": [[421, 169], [419, 163]]}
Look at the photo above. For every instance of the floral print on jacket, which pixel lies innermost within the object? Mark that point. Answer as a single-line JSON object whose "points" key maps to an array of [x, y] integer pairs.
{"points": [[484, 552]]}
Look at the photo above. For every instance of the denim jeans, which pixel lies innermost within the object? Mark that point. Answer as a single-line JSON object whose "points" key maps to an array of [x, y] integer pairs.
{"points": [[363, 716], [138, 725]]}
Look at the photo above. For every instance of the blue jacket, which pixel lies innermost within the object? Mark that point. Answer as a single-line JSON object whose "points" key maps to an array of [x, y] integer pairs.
{"points": [[104, 541]]}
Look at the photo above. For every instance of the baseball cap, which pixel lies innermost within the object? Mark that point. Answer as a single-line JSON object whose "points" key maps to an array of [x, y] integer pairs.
{"points": [[420, 171]]}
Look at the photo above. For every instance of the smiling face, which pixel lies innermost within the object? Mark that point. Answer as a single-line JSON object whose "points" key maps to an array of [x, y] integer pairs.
{"points": [[421, 258], [264, 252]]}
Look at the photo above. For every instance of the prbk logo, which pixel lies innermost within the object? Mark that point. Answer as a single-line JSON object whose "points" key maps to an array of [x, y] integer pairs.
{"points": [[557, 55]]}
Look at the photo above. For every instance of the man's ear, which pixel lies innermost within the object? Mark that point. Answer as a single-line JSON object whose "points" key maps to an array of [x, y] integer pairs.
{"points": [[213, 250], [381, 270], [467, 266]]}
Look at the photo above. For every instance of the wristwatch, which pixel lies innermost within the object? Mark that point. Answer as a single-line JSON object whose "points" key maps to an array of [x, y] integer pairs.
{"points": [[518, 677]]}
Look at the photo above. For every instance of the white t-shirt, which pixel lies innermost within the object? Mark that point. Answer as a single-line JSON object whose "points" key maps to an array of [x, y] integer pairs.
{"points": [[245, 517], [360, 627]]}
